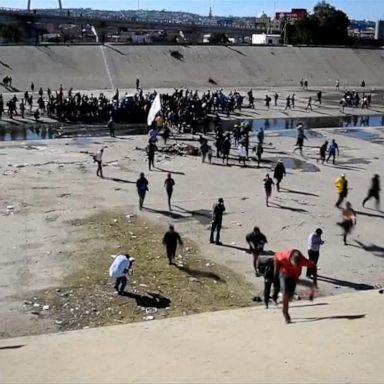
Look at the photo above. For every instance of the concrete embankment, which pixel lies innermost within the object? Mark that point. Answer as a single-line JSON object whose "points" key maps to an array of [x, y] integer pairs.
{"points": [[333, 340], [97, 67]]}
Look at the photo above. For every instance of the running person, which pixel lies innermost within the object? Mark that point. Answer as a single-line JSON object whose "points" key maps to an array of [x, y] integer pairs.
{"points": [[288, 265], [374, 191], [170, 240], [256, 241], [349, 221], [268, 183], [142, 188], [278, 174], [169, 184]]}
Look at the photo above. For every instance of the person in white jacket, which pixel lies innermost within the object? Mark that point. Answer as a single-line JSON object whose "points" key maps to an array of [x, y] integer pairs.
{"points": [[121, 265], [242, 154]]}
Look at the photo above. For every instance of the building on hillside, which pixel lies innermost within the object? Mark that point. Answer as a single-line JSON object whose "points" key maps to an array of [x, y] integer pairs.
{"points": [[379, 30], [366, 34], [294, 15], [265, 39]]}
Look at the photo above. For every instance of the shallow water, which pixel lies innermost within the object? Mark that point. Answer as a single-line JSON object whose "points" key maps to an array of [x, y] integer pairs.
{"points": [[318, 122], [287, 126]]}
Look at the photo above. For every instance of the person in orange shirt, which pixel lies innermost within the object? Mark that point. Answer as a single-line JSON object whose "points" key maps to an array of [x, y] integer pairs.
{"points": [[288, 266]]}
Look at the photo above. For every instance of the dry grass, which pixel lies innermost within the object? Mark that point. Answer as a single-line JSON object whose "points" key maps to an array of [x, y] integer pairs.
{"points": [[86, 298]]}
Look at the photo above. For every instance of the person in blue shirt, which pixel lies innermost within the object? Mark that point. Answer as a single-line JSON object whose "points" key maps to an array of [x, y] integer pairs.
{"points": [[333, 148]]}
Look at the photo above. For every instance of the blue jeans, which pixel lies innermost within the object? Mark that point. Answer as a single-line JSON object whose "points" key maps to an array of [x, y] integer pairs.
{"points": [[121, 283]]}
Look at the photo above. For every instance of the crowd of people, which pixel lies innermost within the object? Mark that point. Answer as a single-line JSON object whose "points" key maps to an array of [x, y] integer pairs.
{"points": [[282, 270], [186, 110], [182, 109]]}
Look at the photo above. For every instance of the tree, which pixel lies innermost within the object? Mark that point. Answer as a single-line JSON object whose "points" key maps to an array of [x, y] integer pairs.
{"points": [[326, 26], [218, 38], [10, 33]]}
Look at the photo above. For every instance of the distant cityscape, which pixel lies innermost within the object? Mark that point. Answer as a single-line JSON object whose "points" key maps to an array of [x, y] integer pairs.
{"points": [[266, 29], [181, 17]]}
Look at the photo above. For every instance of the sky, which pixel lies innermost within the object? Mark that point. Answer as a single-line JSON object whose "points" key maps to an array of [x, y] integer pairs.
{"points": [[355, 9]]}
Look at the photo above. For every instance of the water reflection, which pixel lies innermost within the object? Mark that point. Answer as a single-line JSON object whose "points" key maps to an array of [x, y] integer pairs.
{"points": [[28, 132], [52, 131], [319, 122]]}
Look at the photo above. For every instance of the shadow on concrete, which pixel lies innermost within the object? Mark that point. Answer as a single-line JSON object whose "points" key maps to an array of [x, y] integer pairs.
{"points": [[117, 180], [345, 283], [236, 247], [286, 190], [336, 317], [201, 274], [374, 249], [171, 214], [361, 213], [12, 347], [350, 168], [284, 207], [158, 169], [235, 50], [308, 305], [150, 300], [204, 216], [177, 55], [115, 50]]}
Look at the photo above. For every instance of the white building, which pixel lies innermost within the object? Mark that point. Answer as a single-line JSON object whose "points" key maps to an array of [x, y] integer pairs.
{"points": [[264, 39]]}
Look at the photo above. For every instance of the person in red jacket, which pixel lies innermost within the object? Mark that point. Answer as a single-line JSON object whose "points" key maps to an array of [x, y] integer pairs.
{"points": [[288, 265]]}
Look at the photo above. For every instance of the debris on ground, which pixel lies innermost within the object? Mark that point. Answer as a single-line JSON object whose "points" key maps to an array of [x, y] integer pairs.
{"points": [[154, 291]]}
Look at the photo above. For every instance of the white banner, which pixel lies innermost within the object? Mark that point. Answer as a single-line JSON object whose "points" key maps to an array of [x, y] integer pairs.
{"points": [[155, 109]]}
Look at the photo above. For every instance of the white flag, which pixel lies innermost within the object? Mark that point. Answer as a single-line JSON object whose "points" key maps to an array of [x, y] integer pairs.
{"points": [[93, 29], [154, 110]]}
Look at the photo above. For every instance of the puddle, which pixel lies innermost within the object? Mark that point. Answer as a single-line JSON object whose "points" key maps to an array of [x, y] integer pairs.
{"points": [[284, 126], [360, 134], [318, 122], [298, 164], [81, 133], [28, 132]]}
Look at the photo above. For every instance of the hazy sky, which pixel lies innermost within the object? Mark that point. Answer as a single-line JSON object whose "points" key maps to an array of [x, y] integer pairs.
{"points": [[356, 9]]}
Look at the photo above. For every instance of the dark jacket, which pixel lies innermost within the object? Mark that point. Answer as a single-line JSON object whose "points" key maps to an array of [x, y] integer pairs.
{"points": [[279, 172], [217, 214]]}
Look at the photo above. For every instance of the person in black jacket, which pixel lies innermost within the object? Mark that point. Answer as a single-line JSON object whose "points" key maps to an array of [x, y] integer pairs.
{"points": [[279, 173], [170, 240], [217, 220], [374, 191], [226, 148]]}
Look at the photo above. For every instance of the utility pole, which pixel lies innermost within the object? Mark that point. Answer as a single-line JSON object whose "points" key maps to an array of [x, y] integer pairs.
{"points": [[29, 5]]}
